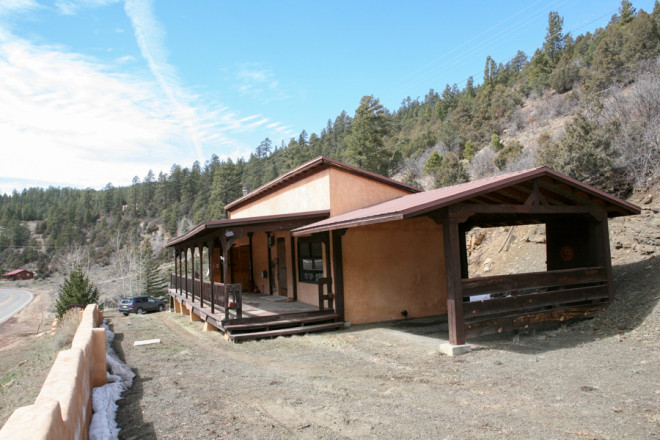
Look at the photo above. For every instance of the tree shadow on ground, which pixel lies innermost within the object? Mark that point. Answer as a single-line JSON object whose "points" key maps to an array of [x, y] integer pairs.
{"points": [[129, 414], [636, 291]]}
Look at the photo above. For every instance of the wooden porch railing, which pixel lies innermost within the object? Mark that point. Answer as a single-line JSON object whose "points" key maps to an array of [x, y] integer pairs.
{"points": [[198, 288], [531, 298]]}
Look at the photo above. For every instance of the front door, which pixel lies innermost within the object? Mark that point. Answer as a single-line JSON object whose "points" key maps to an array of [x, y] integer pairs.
{"points": [[281, 267], [239, 261]]}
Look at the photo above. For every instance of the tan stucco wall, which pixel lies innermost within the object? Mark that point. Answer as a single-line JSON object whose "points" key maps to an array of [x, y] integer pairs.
{"points": [[309, 194], [395, 266], [63, 408], [349, 192]]}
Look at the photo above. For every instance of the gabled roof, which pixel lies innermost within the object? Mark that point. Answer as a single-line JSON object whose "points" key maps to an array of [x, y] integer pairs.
{"points": [[309, 168], [14, 272], [511, 188]]}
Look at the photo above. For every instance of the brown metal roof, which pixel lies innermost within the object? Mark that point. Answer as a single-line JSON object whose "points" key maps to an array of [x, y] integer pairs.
{"points": [[15, 272], [309, 168], [511, 188], [269, 222]]}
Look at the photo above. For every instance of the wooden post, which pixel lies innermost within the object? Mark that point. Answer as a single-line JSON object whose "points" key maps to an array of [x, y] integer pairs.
{"points": [[192, 262], [455, 319], [270, 272], [201, 274], [176, 277], [337, 264], [211, 250], [250, 234], [462, 246], [293, 268], [225, 255], [326, 243], [186, 267], [227, 240], [601, 235]]}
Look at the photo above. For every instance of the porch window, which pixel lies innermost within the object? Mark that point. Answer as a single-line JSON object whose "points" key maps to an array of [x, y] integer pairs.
{"points": [[310, 260]]}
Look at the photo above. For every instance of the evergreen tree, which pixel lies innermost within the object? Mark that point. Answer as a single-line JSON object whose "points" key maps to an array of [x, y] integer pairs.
{"points": [[153, 283], [76, 289], [365, 144], [554, 39], [450, 172]]}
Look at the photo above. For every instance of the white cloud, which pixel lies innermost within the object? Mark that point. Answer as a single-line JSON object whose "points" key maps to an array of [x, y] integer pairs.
{"points": [[70, 7], [69, 120], [258, 83]]}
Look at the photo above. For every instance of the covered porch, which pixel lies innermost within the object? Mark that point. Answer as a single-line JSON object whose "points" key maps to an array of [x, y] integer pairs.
{"points": [[239, 277]]}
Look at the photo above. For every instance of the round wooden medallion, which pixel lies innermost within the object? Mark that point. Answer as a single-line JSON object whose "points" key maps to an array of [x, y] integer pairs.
{"points": [[567, 253]]}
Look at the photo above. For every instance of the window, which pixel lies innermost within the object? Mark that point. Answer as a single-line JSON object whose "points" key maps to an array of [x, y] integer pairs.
{"points": [[310, 260]]}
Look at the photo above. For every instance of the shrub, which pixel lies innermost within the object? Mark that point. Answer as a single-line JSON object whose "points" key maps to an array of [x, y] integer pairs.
{"points": [[585, 152], [77, 290], [450, 172]]}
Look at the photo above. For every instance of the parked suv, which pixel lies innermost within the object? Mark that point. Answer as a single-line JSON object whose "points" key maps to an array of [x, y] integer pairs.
{"points": [[140, 305]]}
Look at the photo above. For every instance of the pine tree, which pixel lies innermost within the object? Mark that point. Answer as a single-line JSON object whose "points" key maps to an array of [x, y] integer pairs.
{"points": [[365, 144], [153, 283], [554, 39], [76, 289]]}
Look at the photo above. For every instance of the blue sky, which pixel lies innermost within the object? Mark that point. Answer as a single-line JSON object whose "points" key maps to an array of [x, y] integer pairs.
{"points": [[99, 91]]}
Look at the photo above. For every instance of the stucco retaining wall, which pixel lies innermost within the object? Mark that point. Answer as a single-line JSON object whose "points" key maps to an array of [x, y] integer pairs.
{"points": [[63, 408]]}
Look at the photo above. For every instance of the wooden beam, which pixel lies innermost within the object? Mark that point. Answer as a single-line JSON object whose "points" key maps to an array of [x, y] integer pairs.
{"points": [[211, 252], [186, 267], [192, 262], [337, 263], [293, 268], [516, 321], [250, 234], [531, 301], [602, 246], [270, 269], [501, 198], [455, 319], [532, 280], [328, 265], [464, 211], [227, 242], [201, 275]]}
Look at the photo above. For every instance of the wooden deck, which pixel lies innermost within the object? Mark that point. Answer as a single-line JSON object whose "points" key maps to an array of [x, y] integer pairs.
{"points": [[263, 316]]}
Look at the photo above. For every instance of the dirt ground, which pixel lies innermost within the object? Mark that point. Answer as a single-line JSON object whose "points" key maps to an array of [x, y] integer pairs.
{"points": [[595, 379]]}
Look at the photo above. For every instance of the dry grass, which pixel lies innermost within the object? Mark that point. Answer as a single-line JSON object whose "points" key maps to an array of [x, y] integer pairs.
{"points": [[67, 326]]}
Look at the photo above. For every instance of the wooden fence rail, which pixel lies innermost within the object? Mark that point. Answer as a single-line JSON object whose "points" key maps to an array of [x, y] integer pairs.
{"points": [[532, 298], [201, 292]]}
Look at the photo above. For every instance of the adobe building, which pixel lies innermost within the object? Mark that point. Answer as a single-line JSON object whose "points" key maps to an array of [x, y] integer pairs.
{"points": [[328, 242]]}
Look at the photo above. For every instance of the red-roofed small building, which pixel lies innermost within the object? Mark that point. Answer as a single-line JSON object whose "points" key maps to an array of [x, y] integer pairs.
{"points": [[18, 274], [335, 241]]}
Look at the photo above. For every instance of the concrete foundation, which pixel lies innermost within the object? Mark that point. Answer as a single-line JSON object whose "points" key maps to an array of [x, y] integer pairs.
{"points": [[454, 350]]}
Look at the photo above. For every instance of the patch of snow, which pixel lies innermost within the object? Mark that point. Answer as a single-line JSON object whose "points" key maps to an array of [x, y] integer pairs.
{"points": [[104, 399]]}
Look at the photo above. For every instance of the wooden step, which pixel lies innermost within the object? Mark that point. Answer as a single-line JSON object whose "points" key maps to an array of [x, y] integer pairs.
{"points": [[280, 322], [285, 331], [281, 316]]}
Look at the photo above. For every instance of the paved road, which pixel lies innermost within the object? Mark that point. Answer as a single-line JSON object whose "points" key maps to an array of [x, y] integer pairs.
{"points": [[13, 301]]}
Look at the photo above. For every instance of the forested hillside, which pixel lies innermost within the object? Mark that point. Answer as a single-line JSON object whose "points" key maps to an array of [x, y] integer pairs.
{"points": [[587, 106]]}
